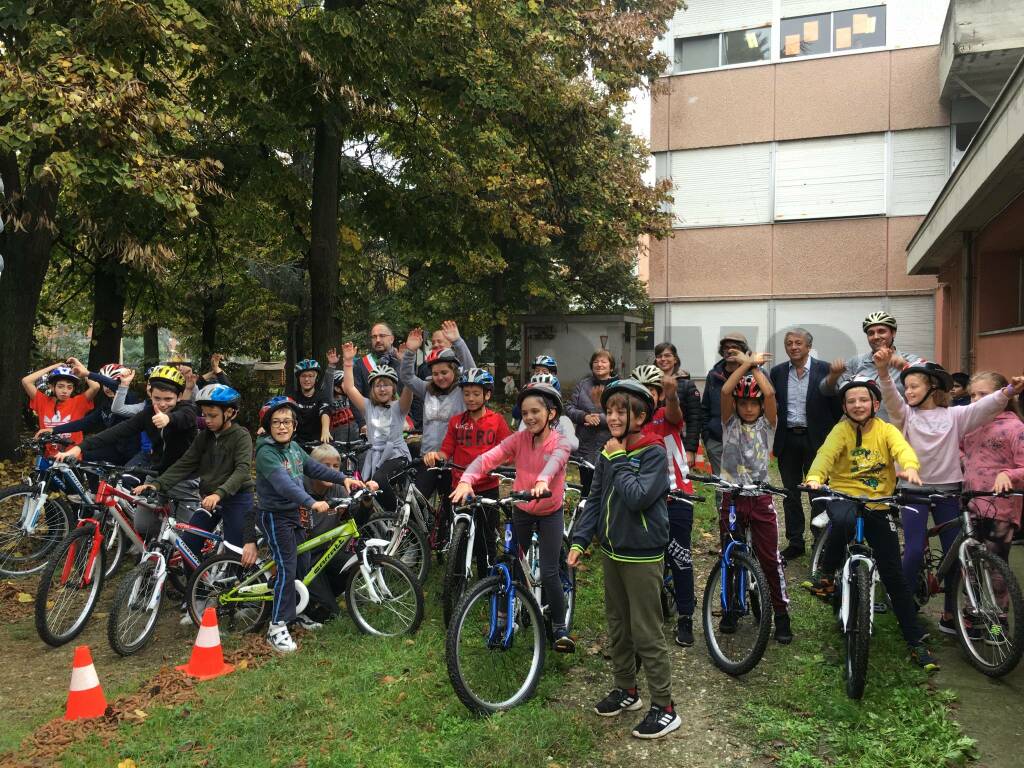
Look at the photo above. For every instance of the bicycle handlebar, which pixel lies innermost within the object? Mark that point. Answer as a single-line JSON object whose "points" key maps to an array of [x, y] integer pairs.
{"points": [[762, 487], [827, 493], [678, 495]]}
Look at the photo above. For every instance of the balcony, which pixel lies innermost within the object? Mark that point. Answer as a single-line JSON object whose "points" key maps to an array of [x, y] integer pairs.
{"points": [[982, 41]]}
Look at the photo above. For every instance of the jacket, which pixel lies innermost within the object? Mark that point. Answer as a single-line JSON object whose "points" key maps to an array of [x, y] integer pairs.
{"points": [[994, 448], [866, 469], [222, 460], [468, 438], [693, 413], [711, 402], [437, 409], [169, 444], [823, 411], [626, 507], [579, 406], [279, 472], [99, 418]]}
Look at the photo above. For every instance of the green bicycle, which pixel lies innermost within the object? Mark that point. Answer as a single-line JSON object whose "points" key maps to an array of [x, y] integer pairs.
{"points": [[382, 595]]}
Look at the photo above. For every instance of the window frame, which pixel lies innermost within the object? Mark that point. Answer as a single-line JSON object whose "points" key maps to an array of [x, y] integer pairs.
{"points": [[779, 50], [721, 50]]}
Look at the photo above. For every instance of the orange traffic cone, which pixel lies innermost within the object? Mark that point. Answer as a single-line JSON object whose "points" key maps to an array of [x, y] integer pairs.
{"points": [[207, 657], [85, 696], [700, 462]]}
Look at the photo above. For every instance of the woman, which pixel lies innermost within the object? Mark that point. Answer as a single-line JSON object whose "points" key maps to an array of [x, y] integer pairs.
{"points": [[667, 359], [585, 412]]}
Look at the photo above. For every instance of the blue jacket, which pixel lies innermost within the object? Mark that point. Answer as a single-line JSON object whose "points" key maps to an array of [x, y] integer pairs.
{"points": [[823, 411]]}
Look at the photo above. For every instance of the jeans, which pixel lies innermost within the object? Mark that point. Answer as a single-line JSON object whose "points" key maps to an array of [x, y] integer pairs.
{"points": [[679, 555], [232, 512], [915, 540], [550, 530]]}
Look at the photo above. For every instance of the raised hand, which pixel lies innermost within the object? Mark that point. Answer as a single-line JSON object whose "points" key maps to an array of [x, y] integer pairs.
{"points": [[882, 359], [415, 339], [215, 361], [127, 377], [333, 358], [837, 366], [450, 330], [759, 359], [160, 420], [77, 368], [1017, 384], [348, 352]]}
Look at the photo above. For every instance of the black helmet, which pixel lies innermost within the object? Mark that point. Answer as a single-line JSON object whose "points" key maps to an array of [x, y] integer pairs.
{"points": [[630, 387], [546, 391], [933, 371]]}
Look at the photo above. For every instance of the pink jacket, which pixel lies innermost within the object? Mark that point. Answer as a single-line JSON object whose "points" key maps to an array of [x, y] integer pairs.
{"points": [[533, 464], [996, 447]]}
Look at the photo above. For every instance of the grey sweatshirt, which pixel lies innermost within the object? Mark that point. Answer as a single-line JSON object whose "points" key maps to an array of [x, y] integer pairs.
{"points": [[437, 409]]}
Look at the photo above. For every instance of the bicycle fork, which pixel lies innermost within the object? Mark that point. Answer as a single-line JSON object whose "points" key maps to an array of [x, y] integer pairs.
{"points": [[723, 580], [506, 593], [31, 511], [844, 605]]}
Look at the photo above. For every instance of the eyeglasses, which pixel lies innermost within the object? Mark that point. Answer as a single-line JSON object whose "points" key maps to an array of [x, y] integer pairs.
{"points": [[281, 422]]}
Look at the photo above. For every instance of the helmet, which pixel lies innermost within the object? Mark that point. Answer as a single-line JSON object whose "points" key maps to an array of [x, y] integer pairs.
{"points": [[339, 376], [168, 375], [543, 389], [385, 371], [113, 370], [307, 365], [218, 394], [547, 378], [479, 377], [442, 356], [861, 381], [274, 404], [546, 361], [631, 387], [878, 318], [942, 378], [62, 372], [748, 387], [648, 375]]}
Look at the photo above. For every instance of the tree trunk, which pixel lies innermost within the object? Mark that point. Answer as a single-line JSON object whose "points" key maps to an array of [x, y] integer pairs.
{"points": [[151, 345], [323, 251], [499, 343], [107, 313], [209, 329]]}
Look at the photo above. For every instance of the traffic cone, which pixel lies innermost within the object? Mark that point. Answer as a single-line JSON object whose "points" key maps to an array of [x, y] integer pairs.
{"points": [[85, 696], [700, 462], [207, 657]]}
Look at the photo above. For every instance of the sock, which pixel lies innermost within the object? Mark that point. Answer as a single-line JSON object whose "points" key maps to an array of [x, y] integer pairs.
{"points": [[670, 708], [631, 691]]}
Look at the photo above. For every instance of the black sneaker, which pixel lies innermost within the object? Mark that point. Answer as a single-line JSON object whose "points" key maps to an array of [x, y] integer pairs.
{"points": [[792, 552], [923, 658], [618, 701], [658, 722], [684, 631], [727, 626], [947, 626], [783, 631]]}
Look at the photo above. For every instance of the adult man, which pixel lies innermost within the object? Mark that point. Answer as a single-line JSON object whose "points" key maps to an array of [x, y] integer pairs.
{"points": [[710, 402], [805, 417], [880, 329], [382, 352]]}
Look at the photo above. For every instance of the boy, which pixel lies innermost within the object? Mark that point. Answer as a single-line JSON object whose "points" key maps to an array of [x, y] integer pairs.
{"points": [[959, 393], [749, 418], [63, 405], [626, 509], [314, 421], [858, 458]]}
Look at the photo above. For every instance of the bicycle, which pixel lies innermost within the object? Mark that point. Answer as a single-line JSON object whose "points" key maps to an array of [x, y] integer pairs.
{"points": [[382, 595], [499, 632], [736, 614], [668, 590], [989, 608]]}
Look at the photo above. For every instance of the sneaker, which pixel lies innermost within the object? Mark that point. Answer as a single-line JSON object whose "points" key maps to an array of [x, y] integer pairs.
{"points": [[306, 623], [783, 630], [658, 722], [727, 626], [280, 639], [564, 643], [684, 631], [792, 552], [823, 587], [617, 701], [947, 626], [921, 656], [186, 620]]}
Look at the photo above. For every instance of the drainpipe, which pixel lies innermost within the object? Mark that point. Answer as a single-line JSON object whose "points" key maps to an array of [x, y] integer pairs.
{"points": [[967, 303]]}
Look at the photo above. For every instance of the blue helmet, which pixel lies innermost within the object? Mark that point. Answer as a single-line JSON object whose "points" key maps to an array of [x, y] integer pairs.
{"points": [[479, 377], [276, 403], [307, 365], [63, 372], [546, 361], [218, 394], [546, 378]]}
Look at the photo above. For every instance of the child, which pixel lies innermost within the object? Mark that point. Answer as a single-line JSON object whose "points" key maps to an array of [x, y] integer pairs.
{"points": [[626, 509], [280, 465], [933, 430], [858, 458], [63, 405], [564, 425], [993, 458], [385, 422], [749, 418], [666, 425], [545, 370], [314, 420], [959, 393], [471, 434], [540, 454]]}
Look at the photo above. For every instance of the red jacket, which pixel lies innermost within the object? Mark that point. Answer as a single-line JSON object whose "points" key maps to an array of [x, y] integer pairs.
{"points": [[467, 438]]}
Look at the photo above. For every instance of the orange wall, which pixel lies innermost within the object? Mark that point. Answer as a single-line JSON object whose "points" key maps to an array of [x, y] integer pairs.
{"points": [[1002, 352]]}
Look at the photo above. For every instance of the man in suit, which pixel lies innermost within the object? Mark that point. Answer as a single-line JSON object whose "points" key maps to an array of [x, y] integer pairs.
{"points": [[806, 416]]}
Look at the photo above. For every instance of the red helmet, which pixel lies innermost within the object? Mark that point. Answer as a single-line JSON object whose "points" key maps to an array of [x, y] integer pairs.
{"points": [[748, 387]]}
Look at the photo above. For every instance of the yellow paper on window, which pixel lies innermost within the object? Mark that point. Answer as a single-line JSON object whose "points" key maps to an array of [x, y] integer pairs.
{"points": [[844, 38], [810, 31], [792, 45], [751, 40], [863, 24]]}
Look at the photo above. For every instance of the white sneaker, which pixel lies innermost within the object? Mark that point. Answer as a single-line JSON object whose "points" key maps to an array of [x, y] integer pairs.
{"points": [[307, 623], [186, 619], [280, 639]]}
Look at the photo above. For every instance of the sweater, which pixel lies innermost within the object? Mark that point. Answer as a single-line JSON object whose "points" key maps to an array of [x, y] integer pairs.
{"points": [[987, 451], [169, 444], [543, 462], [579, 406], [626, 507], [468, 438], [437, 408], [279, 471], [222, 460], [867, 469]]}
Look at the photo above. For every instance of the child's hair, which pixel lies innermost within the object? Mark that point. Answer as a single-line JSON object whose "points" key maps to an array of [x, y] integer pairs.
{"points": [[629, 403], [961, 378], [940, 397], [325, 452], [162, 387], [999, 381]]}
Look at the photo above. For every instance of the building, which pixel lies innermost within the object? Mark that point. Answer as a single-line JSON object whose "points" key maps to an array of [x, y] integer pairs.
{"points": [[806, 140], [973, 236]]}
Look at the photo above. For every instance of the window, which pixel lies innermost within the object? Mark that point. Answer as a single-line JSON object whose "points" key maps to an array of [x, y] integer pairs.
{"points": [[711, 51], [1001, 286], [832, 32]]}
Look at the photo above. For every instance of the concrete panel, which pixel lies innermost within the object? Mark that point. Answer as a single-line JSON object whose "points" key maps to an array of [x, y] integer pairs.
{"points": [[841, 256], [832, 96], [714, 109], [999, 352], [699, 262], [660, 100], [656, 264], [901, 229], [912, 98]]}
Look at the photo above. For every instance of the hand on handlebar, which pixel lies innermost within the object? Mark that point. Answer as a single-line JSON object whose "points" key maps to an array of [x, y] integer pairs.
{"points": [[74, 453], [351, 484], [911, 476], [209, 503], [138, 490], [1002, 484], [433, 458], [321, 506], [540, 489], [462, 492], [44, 432], [573, 558], [813, 485]]}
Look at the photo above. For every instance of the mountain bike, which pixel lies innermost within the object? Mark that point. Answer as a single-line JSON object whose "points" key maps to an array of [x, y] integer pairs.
{"points": [[736, 614], [382, 594], [668, 587]]}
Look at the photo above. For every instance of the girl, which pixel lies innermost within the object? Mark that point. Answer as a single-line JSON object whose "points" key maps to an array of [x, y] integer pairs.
{"points": [[540, 454], [385, 422], [993, 458], [584, 410], [933, 430], [63, 405]]}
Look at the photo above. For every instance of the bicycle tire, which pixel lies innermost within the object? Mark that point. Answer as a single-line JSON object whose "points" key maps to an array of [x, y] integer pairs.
{"points": [[818, 553], [57, 520], [463, 669], [131, 601], [719, 643], [455, 577], [53, 600], [414, 550], [217, 576], [1004, 639], [857, 638], [394, 577]]}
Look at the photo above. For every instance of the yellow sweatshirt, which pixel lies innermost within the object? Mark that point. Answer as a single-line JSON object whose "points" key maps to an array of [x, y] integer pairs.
{"points": [[867, 469]]}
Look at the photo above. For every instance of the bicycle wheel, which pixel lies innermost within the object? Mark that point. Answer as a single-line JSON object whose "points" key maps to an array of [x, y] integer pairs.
{"points": [[857, 638], [394, 605], [818, 554], [456, 575], [214, 584], [134, 612], [487, 677], [69, 587], [989, 627], [25, 552], [737, 614], [413, 549]]}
